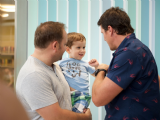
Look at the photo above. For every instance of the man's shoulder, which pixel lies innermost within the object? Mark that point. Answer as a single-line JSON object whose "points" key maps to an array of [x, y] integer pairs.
{"points": [[31, 68], [64, 60], [28, 67], [136, 48]]}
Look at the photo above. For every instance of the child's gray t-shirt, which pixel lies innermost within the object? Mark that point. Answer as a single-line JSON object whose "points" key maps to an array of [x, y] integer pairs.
{"points": [[76, 73], [39, 86]]}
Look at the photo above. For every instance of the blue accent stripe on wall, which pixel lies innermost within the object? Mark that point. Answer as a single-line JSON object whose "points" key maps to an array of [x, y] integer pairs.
{"points": [[72, 27], [52, 10], [62, 11], [62, 15], [119, 3], [145, 22], [83, 22], [106, 57], [138, 19], [32, 23], [152, 23], [94, 46], [42, 11], [132, 13], [157, 34], [105, 48]]}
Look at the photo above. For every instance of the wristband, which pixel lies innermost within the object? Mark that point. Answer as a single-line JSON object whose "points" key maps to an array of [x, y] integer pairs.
{"points": [[98, 70]]}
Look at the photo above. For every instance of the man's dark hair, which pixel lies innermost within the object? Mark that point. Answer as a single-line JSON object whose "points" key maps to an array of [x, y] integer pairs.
{"points": [[117, 19], [48, 32]]}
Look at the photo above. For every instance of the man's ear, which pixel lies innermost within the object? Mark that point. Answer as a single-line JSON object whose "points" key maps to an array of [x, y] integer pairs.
{"points": [[55, 45], [110, 30], [67, 49]]}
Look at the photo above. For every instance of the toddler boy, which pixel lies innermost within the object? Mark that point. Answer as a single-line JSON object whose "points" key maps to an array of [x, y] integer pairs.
{"points": [[76, 71]]}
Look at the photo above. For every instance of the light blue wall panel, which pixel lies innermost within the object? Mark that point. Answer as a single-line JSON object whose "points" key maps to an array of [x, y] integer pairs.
{"points": [[32, 24], [145, 22], [132, 13], [152, 26], [125, 5], [62, 16], [62, 11], [138, 19], [94, 46], [42, 11], [83, 22], [52, 10], [72, 25], [21, 29], [157, 33], [119, 3], [106, 53]]}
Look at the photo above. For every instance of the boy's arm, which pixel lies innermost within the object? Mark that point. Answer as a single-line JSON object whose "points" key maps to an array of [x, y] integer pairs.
{"points": [[94, 63]]}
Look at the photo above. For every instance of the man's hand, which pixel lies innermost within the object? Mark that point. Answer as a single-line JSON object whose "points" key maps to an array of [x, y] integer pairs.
{"points": [[103, 66], [88, 113], [94, 63]]}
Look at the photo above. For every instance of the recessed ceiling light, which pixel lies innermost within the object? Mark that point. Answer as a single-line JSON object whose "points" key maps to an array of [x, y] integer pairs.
{"points": [[5, 15], [7, 8]]}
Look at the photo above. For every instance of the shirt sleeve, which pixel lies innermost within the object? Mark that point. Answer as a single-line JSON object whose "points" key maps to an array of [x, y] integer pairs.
{"points": [[91, 69], [124, 68], [37, 91]]}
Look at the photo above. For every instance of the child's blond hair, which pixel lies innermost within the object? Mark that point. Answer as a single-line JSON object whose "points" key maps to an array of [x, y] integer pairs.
{"points": [[73, 36]]}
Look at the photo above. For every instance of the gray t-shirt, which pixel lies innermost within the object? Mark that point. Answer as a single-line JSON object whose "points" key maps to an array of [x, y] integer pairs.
{"points": [[39, 86]]}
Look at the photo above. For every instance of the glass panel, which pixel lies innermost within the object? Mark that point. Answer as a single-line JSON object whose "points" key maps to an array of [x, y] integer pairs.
{"points": [[7, 32]]}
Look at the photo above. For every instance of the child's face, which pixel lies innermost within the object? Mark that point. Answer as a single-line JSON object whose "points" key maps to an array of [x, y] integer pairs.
{"points": [[77, 50]]}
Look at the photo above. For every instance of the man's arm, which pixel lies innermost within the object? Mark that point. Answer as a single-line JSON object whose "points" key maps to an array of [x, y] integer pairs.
{"points": [[39, 89], [104, 90], [54, 112]]}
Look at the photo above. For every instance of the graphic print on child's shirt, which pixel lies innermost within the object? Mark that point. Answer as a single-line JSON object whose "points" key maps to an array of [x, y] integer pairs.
{"points": [[75, 68]]}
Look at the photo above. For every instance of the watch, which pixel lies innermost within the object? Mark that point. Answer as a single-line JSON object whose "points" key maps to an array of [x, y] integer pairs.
{"points": [[98, 70]]}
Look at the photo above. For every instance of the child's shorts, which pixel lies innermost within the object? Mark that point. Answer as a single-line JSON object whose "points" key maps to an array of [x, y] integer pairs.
{"points": [[80, 101]]}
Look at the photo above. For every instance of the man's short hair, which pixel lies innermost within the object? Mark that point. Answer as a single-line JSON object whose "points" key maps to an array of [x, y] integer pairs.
{"points": [[48, 32], [117, 19], [73, 36]]}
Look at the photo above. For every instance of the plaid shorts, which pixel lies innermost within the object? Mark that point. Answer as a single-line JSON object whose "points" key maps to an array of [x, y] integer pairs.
{"points": [[80, 101]]}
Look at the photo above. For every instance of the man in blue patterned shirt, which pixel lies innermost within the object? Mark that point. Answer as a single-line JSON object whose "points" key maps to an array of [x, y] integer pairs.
{"points": [[131, 89]]}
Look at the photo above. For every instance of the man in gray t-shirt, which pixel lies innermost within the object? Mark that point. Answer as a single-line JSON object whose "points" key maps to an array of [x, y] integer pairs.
{"points": [[41, 86]]}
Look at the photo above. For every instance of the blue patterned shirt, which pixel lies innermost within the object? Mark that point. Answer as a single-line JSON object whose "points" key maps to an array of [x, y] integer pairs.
{"points": [[133, 68]]}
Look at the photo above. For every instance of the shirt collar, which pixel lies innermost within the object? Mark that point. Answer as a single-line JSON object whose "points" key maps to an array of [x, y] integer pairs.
{"points": [[125, 42], [42, 63]]}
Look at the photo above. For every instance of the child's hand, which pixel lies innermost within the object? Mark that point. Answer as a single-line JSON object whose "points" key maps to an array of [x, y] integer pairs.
{"points": [[94, 63]]}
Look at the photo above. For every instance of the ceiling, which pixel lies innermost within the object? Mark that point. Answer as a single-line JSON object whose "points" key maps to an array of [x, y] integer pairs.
{"points": [[11, 14], [7, 2]]}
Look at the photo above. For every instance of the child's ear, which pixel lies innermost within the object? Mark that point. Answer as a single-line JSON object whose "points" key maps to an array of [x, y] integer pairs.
{"points": [[68, 50]]}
